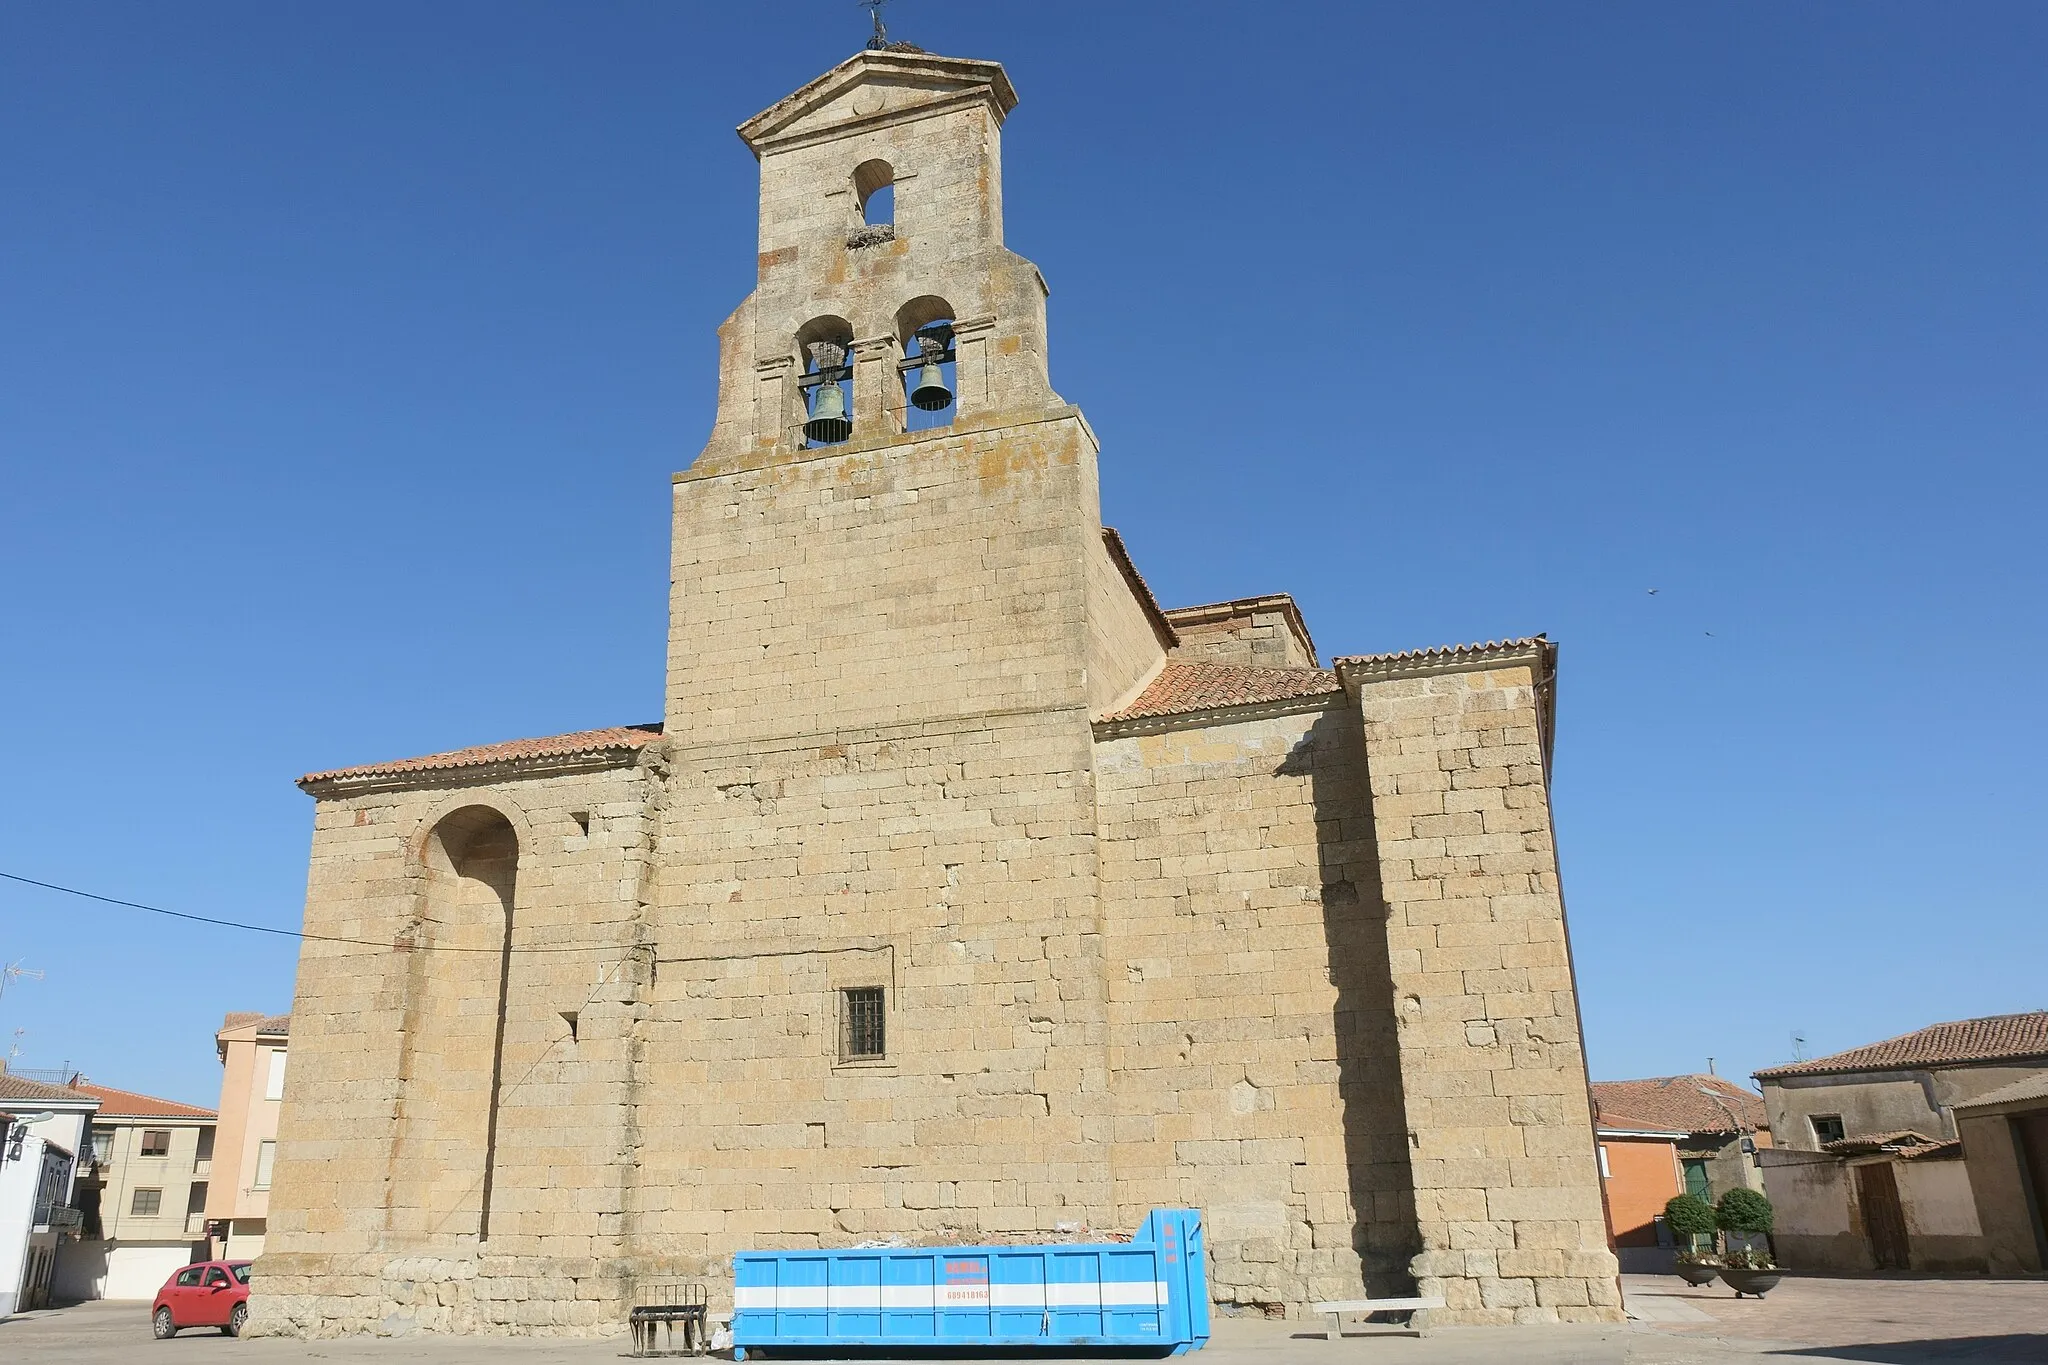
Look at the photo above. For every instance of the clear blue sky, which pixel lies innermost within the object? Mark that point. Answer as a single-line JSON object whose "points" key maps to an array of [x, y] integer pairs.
{"points": [[345, 352]]}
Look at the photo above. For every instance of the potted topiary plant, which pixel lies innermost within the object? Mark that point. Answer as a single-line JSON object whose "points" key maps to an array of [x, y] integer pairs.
{"points": [[1749, 1271], [1692, 1218]]}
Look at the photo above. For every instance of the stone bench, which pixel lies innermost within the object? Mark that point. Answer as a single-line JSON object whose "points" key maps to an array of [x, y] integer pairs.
{"points": [[1412, 1306]]}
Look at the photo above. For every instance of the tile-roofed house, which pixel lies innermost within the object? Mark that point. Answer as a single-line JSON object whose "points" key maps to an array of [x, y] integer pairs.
{"points": [[1909, 1099], [1682, 1104], [28, 1092], [1667, 1135], [136, 1188], [1995, 1037], [128, 1104]]}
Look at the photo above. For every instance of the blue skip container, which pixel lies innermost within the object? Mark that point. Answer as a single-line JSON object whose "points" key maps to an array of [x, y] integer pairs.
{"points": [[1152, 1291]]}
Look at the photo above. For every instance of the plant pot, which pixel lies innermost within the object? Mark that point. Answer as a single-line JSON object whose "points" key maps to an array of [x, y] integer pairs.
{"points": [[1694, 1274], [1757, 1282]]}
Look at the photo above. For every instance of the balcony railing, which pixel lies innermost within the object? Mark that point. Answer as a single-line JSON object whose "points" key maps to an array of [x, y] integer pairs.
{"points": [[50, 1219], [195, 1224]]}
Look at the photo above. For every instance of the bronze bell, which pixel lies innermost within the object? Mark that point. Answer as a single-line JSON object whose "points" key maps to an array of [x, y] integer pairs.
{"points": [[828, 424], [930, 392]]}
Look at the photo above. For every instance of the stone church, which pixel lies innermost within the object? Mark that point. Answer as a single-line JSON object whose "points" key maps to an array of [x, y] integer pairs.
{"points": [[964, 892]]}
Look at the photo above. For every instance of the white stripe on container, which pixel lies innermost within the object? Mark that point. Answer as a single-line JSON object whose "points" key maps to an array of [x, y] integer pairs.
{"points": [[924, 1297]]}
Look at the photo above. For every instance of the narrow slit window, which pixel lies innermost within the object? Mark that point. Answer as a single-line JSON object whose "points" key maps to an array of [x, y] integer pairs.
{"points": [[862, 1031]]}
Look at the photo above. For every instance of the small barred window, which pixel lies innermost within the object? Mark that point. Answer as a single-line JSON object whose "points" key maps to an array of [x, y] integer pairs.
{"points": [[861, 1031]]}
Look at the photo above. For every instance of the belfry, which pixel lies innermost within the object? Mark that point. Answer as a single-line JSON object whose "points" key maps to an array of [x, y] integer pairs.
{"points": [[962, 892]]}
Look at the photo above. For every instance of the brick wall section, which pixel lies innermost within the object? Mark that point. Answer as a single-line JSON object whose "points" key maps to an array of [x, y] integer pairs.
{"points": [[1253, 1057], [1506, 1186]]}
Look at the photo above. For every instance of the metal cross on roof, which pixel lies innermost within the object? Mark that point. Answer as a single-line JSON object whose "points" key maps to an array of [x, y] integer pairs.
{"points": [[874, 9]]}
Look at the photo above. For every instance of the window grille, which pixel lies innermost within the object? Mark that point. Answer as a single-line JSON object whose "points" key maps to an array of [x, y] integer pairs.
{"points": [[861, 1034]]}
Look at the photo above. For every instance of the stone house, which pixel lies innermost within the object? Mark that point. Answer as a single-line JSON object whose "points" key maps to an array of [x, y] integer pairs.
{"points": [[962, 892], [1875, 1169], [2005, 1134], [141, 1190], [1671, 1135], [1911, 1083]]}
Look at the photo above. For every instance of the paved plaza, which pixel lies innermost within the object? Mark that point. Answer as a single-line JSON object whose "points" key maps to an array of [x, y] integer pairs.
{"points": [[1886, 1320]]}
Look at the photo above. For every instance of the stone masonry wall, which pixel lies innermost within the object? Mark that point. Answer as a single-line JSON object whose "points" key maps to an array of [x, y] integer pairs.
{"points": [[381, 1140], [1252, 1053], [1507, 1191]]}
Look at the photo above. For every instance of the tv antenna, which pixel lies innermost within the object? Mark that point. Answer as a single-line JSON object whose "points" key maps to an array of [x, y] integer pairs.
{"points": [[874, 9], [1798, 1046], [14, 971]]}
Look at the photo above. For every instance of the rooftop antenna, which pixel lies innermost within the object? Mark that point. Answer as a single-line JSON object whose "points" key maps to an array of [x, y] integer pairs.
{"points": [[881, 38], [1798, 1046], [1710, 1067], [14, 971]]}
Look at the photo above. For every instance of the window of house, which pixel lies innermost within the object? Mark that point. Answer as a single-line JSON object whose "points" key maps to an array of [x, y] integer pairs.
{"points": [[102, 1146], [862, 1036], [1696, 1182], [1826, 1128], [273, 1088], [146, 1203], [156, 1142], [266, 1157]]}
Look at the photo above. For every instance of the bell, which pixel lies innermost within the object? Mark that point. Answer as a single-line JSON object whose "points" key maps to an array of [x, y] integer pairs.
{"points": [[828, 424], [930, 392]]}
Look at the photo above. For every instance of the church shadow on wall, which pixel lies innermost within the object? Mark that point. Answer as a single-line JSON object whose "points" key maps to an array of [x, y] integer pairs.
{"points": [[1332, 756]]}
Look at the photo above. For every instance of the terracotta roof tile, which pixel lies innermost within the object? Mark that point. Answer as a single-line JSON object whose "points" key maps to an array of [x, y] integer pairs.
{"points": [[619, 738], [1906, 1139], [127, 1104], [1995, 1038], [275, 1023], [1446, 653], [21, 1088], [1184, 686], [2026, 1088], [1679, 1104]]}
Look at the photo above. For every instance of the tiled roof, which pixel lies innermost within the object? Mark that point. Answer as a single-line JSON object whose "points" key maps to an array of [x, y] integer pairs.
{"points": [[21, 1088], [1679, 1104], [1184, 686], [2026, 1088], [127, 1104], [621, 738], [1998, 1037], [1905, 1139], [275, 1023], [1121, 557], [1445, 653]]}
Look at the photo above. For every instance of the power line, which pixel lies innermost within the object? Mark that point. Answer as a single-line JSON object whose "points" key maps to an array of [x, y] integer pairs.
{"points": [[316, 938]]}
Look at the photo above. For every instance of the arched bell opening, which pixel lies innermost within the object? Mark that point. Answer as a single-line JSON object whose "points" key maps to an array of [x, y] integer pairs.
{"points": [[874, 187], [825, 346], [931, 389]]}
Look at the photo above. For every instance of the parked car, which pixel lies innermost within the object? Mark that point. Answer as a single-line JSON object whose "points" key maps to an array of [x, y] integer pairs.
{"points": [[210, 1294]]}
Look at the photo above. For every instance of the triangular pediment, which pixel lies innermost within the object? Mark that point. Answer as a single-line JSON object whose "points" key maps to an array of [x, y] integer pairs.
{"points": [[878, 85]]}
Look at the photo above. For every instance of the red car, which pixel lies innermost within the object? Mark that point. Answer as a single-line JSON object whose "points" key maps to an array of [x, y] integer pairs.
{"points": [[210, 1294]]}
